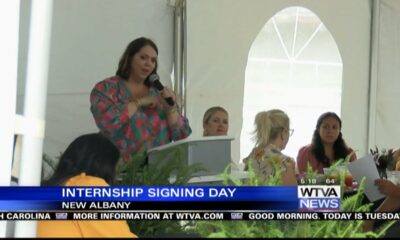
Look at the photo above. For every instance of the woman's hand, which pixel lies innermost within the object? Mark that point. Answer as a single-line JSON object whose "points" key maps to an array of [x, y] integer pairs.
{"points": [[166, 93], [387, 187], [148, 101]]}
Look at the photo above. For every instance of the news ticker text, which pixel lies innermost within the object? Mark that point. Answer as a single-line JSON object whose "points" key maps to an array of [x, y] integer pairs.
{"points": [[196, 216]]}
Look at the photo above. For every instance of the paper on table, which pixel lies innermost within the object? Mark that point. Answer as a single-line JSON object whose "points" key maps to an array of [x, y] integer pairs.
{"points": [[365, 167]]}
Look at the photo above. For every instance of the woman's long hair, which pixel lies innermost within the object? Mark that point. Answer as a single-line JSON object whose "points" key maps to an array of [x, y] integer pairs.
{"points": [[124, 65], [93, 154], [339, 147], [268, 125]]}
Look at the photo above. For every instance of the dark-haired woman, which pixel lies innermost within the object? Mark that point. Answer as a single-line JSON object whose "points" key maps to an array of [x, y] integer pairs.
{"points": [[327, 145], [90, 160], [130, 111]]}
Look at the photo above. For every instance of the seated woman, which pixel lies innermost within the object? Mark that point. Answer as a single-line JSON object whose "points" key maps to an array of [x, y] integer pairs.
{"points": [[390, 204], [327, 145], [90, 160], [272, 134], [215, 122]]}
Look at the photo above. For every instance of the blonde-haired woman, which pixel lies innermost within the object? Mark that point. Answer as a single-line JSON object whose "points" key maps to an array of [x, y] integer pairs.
{"points": [[215, 122], [271, 135]]}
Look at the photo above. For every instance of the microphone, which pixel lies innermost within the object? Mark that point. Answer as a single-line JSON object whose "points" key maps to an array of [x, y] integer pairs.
{"points": [[155, 80]]}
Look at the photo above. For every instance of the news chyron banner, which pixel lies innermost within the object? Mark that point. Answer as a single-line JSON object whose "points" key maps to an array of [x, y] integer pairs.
{"points": [[149, 198], [307, 202]]}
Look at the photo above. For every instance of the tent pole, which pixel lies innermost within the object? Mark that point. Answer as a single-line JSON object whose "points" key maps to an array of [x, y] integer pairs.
{"points": [[9, 25], [179, 51], [35, 103], [373, 83]]}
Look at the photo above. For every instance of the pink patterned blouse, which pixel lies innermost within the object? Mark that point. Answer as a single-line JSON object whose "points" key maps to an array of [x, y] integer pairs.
{"points": [[146, 128]]}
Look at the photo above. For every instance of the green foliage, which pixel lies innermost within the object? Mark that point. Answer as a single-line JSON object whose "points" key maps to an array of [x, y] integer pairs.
{"points": [[168, 171], [293, 228], [49, 165], [310, 174], [173, 171], [49, 161]]}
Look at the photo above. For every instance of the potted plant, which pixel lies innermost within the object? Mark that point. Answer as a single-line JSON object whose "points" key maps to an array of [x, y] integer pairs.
{"points": [[292, 228], [386, 160], [172, 172]]}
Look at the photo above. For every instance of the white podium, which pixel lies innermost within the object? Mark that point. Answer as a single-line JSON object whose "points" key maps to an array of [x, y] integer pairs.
{"points": [[214, 153], [215, 180]]}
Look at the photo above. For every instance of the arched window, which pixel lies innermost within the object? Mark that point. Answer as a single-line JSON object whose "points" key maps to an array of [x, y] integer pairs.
{"points": [[294, 64]]}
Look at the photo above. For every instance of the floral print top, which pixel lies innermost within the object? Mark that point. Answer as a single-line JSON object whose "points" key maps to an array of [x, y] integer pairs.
{"points": [[145, 129], [262, 160]]}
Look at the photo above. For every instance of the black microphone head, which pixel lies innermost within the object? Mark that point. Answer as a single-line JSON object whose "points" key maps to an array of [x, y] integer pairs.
{"points": [[155, 81], [153, 77]]}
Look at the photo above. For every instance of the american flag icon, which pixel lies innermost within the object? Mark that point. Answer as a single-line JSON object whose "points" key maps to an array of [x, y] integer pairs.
{"points": [[236, 216], [61, 216]]}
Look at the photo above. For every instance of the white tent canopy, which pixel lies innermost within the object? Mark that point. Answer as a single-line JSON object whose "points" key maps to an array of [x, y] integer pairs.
{"points": [[216, 53], [218, 50]]}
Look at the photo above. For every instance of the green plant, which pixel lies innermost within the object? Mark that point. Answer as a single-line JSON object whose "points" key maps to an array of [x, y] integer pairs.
{"points": [[167, 171], [48, 165], [293, 228], [383, 160]]}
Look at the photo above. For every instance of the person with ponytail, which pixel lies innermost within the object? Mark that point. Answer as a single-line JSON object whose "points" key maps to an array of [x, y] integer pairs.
{"points": [[271, 135], [327, 147]]}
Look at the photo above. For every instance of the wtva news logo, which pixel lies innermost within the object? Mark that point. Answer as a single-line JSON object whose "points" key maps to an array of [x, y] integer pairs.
{"points": [[319, 197]]}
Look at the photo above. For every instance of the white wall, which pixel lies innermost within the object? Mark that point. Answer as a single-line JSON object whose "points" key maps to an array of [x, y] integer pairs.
{"points": [[88, 38], [220, 34]]}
